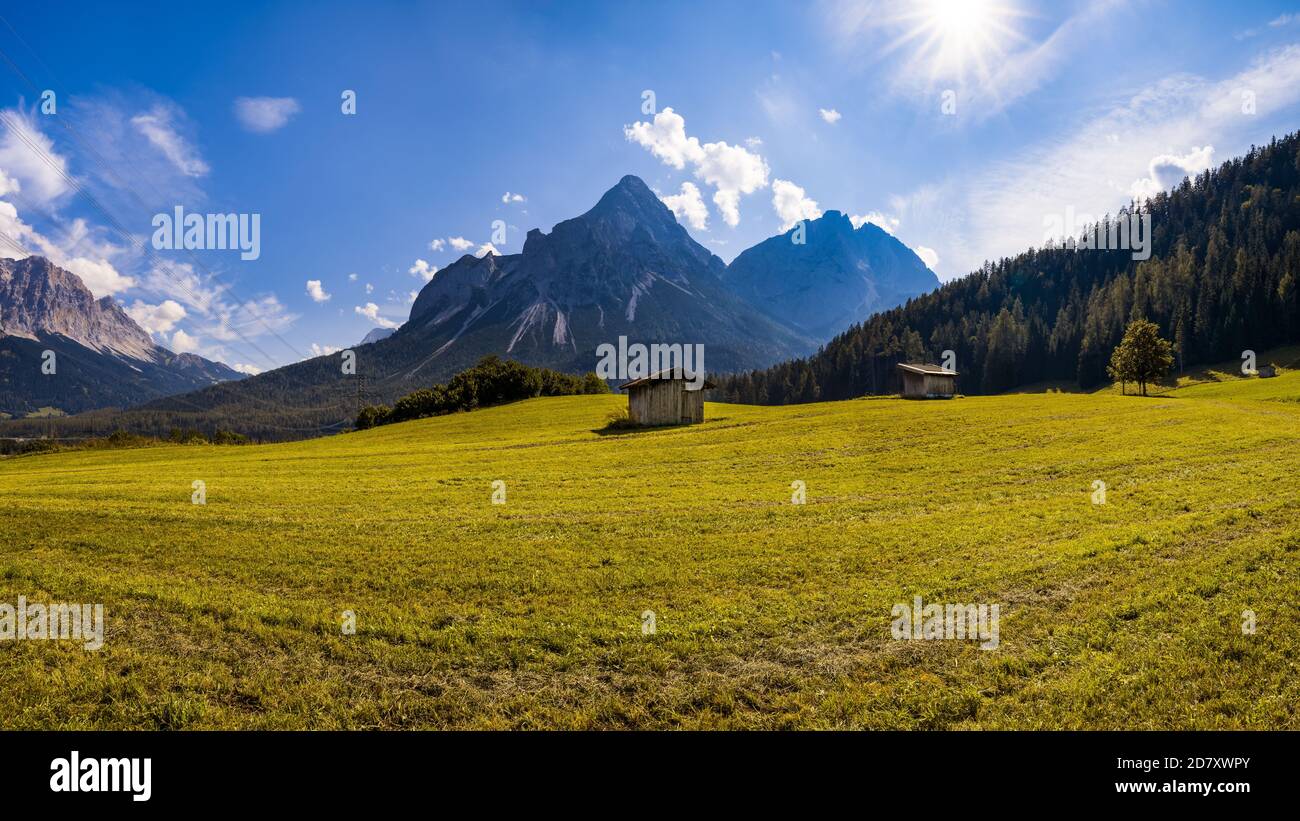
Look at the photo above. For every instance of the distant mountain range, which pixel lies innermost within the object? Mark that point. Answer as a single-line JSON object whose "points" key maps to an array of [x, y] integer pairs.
{"points": [[101, 357], [825, 275], [1222, 277], [624, 268], [377, 334]]}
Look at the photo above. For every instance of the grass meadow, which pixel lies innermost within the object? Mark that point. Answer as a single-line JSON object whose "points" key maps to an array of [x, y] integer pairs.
{"points": [[768, 614]]}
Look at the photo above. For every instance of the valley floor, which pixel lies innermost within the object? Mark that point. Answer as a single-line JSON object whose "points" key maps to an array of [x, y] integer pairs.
{"points": [[767, 614]]}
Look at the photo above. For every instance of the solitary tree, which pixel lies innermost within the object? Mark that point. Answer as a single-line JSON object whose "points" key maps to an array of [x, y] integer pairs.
{"points": [[1142, 356]]}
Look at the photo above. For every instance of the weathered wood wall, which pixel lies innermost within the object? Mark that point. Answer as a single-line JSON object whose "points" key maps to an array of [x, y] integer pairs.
{"points": [[927, 386], [665, 402]]}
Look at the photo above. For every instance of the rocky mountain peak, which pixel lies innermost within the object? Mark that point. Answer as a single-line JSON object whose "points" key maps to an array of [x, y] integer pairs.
{"points": [[836, 277], [624, 267], [38, 297], [104, 358]]}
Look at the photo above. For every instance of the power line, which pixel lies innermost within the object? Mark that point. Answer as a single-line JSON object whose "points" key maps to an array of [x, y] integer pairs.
{"points": [[117, 227], [121, 231], [13, 243], [101, 164]]}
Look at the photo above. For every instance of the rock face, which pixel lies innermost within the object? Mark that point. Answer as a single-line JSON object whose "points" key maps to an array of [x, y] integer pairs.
{"points": [[838, 277], [102, 357], [377, 334], [624, 268], [39, 298]]}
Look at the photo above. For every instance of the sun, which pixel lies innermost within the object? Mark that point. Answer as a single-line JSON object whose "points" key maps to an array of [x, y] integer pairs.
{"points": [[957, 15], [956, 37]]}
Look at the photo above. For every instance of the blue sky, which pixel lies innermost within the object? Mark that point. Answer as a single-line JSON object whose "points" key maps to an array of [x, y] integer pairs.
{"points": [[960, 126]]}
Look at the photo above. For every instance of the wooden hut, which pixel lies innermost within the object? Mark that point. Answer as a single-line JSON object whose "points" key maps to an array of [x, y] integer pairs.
{"points": [[666, 398], [928, 382]]}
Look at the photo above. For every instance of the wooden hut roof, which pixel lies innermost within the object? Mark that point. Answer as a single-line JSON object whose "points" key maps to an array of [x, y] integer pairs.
{"points": [[927, 370], [666, 376]]}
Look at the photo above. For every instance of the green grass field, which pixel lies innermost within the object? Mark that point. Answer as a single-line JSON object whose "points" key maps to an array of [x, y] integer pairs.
{"points": [[768, 614]]}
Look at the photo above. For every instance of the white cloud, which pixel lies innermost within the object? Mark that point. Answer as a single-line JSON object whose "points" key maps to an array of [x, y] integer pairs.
{"points": [[886, 223], [156, 319], [1090, 169], [689, 206], [371, 312], [178, 281], [352, 277], [8, 185], [157, 127], [485, 249], [423, 270], [437, 245], [731, 169], [144, 148], [40, 173], [255, 317], [79, 253], [323, 350], [792, 204], [929, 58], [370, 289], [754, 142], [29, 157], [666, 139], [1024, 71], [250, 370], [99, 275], [12, 224], [316, 292], [830, 115], [218, 318], [150, 146], [460, 243], [183, 342], [508, 198], [928, 255], [1276, 22], [88, 259], [262, 115], [1168, 170], [783, 102]]}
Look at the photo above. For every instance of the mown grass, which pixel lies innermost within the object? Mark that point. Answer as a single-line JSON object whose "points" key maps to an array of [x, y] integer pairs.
{"points": [[768, 614], [1225, 380]]}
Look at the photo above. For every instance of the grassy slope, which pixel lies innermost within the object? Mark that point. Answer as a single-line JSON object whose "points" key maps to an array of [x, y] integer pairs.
{"points": [[769, 614]]}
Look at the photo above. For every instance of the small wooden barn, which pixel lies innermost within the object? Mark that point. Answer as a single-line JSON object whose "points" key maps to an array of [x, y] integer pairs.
{"points": [[1266, 371], [666, 398], [928, 382]]}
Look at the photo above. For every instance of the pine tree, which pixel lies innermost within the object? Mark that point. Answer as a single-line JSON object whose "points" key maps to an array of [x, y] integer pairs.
{"points": [[1224, 275]]}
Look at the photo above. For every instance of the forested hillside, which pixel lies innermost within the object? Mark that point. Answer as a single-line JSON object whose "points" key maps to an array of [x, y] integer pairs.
{"points": [[1221, 279]]}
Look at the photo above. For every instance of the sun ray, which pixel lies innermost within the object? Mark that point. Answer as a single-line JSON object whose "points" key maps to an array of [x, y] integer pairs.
{"points": [[951, 39]]}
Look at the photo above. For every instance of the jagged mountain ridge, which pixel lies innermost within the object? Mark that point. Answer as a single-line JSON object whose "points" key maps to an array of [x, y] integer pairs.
{"points": [[38, 298], [836, 277], [376, 334], [624, 268], [102, 357]]}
